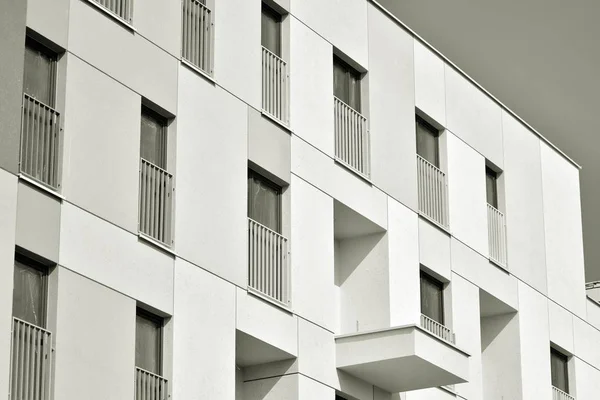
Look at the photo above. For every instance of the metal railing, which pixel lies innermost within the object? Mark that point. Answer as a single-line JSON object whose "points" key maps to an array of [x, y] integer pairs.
{"points": [[40, 142], [352, 143], [156, 202], [30, 362], [275, 89], [558, 394], [268, 263], [496, 235], [149, 386], [433, 192], [437, 329], [197, 35], [120, 8]]}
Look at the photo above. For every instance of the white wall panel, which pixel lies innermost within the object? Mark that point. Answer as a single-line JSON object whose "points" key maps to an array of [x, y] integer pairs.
{"points": [[160, 22], [49, 19], [593, 313], [434, 248], [276, 388], [561, 326], [564, 237], [204, 335], [523, 194], [466, 194], [308, 389], [430, 83], [392, 108], [587, 380], [586, 339], [212, 169]]}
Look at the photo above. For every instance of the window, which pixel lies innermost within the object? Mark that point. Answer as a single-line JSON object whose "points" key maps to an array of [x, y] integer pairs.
{"points": [[39, 76], [560, 373], [428, 141], [432, 300], [153, 138], [346, 83], [148, 342], [491, 185], [29, 291], [264, 201], [271, 30]]}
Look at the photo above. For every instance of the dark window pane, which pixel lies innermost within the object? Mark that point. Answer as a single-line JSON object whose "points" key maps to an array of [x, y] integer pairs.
{"points": [[29, 294], [271, 30], [491, 184], [153, 139], [346, 84], [427, 142], [148, 343], [38, 77], [432, 302], [558, 367], [264, 202]]}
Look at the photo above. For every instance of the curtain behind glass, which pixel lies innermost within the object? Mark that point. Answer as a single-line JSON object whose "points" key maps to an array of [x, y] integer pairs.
{"points": [[427, 143], [558, 366], [147, 344], [264, 202], [29, 294], [346, 84], [38, 76], [271, 31], [491, 188], [431, 299], [153, 139]]}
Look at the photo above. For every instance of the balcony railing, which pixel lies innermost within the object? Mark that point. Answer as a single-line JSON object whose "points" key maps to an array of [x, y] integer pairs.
{"points": [[497, 236], [275, 89], [197, 35], [30, 362], [120, 8], [437, 329], [352, 143], [40, 142], [268, 263], [149, 386], [558, 394], [433, 192], [156, 202]]}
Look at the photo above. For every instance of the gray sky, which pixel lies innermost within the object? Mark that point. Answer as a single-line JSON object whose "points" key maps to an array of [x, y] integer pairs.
{"points": [[539, 57]]}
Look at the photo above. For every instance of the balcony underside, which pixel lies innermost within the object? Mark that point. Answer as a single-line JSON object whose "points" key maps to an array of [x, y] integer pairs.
{"points": [[253, 351], [401, 359]]}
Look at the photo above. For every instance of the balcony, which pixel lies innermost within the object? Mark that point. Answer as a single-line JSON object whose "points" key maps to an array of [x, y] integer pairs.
{"points": [[40, 142], [352, 143], [30, 362], [197, 36], [275, 87], [437, 329], [558, 394], [149, 386], [122, 9], [433, 192], [496, 236], [156, 203], [268, 264]]}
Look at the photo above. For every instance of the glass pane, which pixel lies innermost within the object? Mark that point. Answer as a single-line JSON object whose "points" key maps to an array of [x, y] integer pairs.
{"points": [[147, 344], [431, 299], [491, 187], [341, 83], [29, 294], [271, 31], [354, 100], [558, 366], [153, 140], [427, 143], [37, 77], [263, 202]]}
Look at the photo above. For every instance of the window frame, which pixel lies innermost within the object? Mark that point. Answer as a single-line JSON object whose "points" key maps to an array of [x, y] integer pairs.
{"points": [[279, 191], [435, 133], [160, 322], [491, 175], [53, 56], [164, 131], [565, 359], [353, 76], [29, 262], [269, 12], [436, 282]]}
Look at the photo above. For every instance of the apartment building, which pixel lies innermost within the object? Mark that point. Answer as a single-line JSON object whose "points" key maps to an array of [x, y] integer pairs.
{"points": [[287, 199]]}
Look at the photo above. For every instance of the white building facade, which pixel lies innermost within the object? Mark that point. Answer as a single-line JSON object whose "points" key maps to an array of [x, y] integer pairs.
{"points": [[288, 199]]}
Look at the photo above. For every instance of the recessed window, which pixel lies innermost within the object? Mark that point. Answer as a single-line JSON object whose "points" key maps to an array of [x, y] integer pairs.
{"points": [[153, 138], [148, 342], [428, 141], [39, 77], [559, 370], [491, 185], [29, 291], [432, 299], [264, 201], [271, 30], [346, 83]]}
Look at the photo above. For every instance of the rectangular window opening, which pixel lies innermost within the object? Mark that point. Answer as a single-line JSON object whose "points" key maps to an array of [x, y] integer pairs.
{"points": [[559, 370], [39, 75], [153, 147], [30, 291], [491, 184], [432, 299], [264, 201], [148, 341], [271, 30], [346, 83], [428, 141]]}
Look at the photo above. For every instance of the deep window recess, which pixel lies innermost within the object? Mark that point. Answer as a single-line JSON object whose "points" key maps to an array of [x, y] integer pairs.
{"points": [[432, 300], [29, 291], [271, 30], [428, 141], [560, 373], [491, 185], [39, 77], [264, 201], [346, 83], [148, 342], [153, 138]]}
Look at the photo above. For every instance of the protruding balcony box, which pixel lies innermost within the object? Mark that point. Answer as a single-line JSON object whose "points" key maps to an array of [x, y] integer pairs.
{"points": [[401, 359]]}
